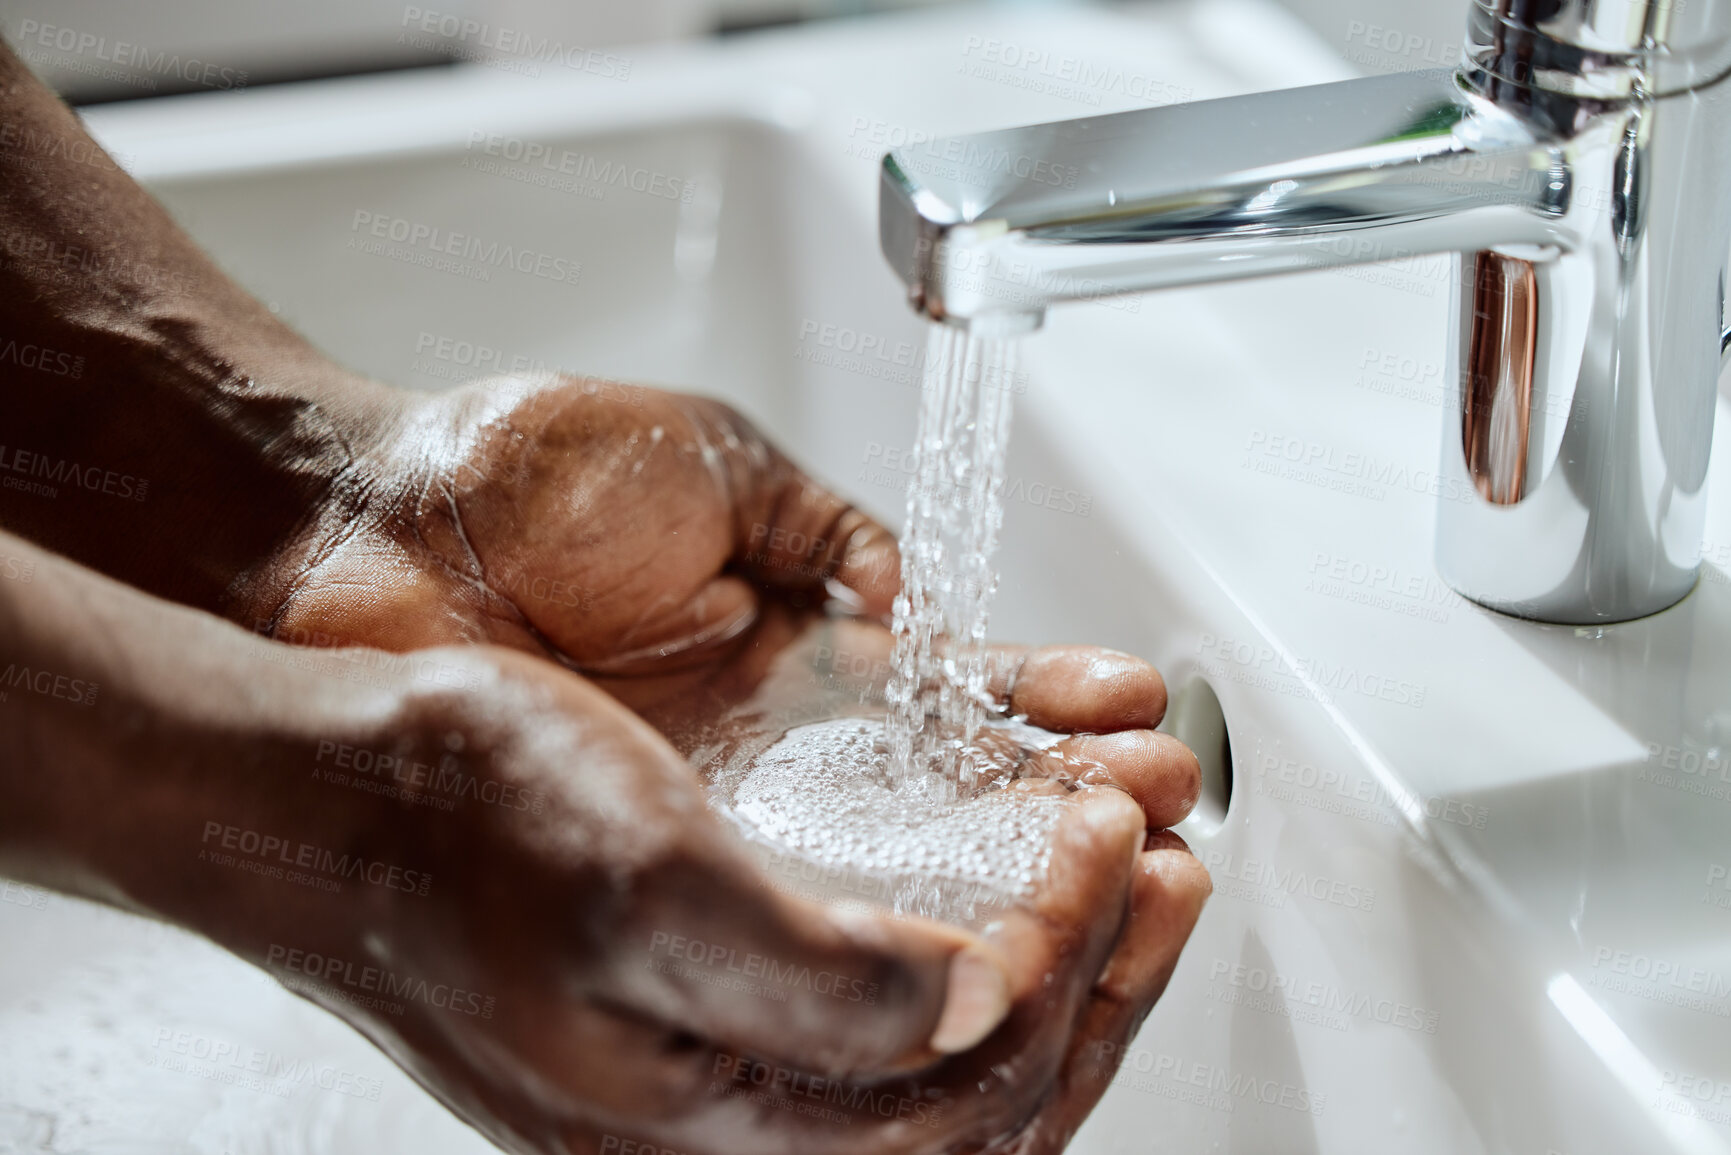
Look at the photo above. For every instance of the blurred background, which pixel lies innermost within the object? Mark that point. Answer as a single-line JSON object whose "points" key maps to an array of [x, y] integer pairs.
{"points": [[104, 50]]}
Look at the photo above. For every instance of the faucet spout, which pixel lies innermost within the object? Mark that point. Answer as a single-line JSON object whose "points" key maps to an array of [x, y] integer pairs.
{"points": [[1337, 174]]}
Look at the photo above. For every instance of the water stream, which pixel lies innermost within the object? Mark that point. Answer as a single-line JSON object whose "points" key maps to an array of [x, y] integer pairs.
{"points": [[928, 799], [938, 688]]}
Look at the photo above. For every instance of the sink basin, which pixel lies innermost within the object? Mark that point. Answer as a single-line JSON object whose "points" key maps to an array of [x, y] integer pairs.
{"points": [[1470, 873]]}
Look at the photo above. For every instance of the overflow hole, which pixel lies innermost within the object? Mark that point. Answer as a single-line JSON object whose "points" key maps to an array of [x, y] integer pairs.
{"points": [[1195, 718]]}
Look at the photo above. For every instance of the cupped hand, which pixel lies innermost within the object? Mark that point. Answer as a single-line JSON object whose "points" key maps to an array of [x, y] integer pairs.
{"points": [[659, 546], [1087, 953], [647, 984]]}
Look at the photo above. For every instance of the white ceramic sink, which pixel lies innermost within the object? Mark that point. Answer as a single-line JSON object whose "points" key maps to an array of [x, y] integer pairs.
{"points": [[1458, 848]]}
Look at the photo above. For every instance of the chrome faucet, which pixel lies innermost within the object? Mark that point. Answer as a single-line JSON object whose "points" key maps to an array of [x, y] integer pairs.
{"points": [[1577, 166]]}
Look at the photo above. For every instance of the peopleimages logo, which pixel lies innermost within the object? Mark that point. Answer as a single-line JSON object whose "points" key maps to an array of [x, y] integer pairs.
{"points": [[1330, 998], [894, 468], [47, 684], [957, 157], [18, 894], [1706, 773], [271, 1071], [816, 1097], [889, 359], [1256, 664], [379, 981], [1661, 980], [476, 40], [1718, 891], [306, 856], [1276, 882], [42, 359], [1331, 790], [614, 1145], [585, 169], [1067, 77], [719, 957], [1024, 283], [1350, 471], [1203, 1084], [1421, 50], [45, 473], [467, 254], [40, 145], [133, 57], [77, 264], [419, 779], [1698, 1088], [303, 645], [1381, 586]]}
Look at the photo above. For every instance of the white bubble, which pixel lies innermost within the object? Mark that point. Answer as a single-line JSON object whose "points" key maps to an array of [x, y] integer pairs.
{"points": [[823, 792]]}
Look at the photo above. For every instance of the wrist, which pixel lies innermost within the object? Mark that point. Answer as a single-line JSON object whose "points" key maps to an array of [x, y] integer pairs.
{"points": [[157, 423], [391, 523], [198, 453], [140, 726]]}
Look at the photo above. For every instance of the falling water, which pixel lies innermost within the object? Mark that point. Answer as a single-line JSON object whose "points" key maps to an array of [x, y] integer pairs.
{"points": [[938, 693], [905, 810]]}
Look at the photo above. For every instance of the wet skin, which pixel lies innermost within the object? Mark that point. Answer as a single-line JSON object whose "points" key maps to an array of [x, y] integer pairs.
{"points": [[586, 581]]}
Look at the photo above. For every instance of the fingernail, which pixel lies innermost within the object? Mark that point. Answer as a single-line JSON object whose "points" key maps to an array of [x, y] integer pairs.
{"points": [[871, 565], [1165, 840], [1112, 813], [976, 1002]]}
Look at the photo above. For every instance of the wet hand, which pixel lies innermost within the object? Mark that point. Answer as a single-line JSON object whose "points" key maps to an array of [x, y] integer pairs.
{"points": [[657, 544], [575, 922], [642, 980], [623, 530], [1086, 955]]}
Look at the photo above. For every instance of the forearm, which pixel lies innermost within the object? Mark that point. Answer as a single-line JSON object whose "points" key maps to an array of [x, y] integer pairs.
{"points": [[128, 725], [160, 425]]}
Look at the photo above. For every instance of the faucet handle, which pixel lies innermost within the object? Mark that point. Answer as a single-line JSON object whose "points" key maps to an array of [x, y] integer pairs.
{"points": [[1600, 49]]}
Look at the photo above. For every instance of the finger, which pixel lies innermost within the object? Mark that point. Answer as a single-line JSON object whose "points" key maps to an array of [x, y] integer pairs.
{"points": [[810, 537], [1169, 892], [684, 928], [543, 1063], [1079, 904], [1093, 849], [1054, 947], [791, 532], [1155, 769], [871, 567], [1079, 688], [1095, 858], [679, 633], [549, 1066]]}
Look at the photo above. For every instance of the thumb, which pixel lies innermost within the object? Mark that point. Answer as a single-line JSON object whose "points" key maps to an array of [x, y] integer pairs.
{"points": [[843, 993], [680, 927]]}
